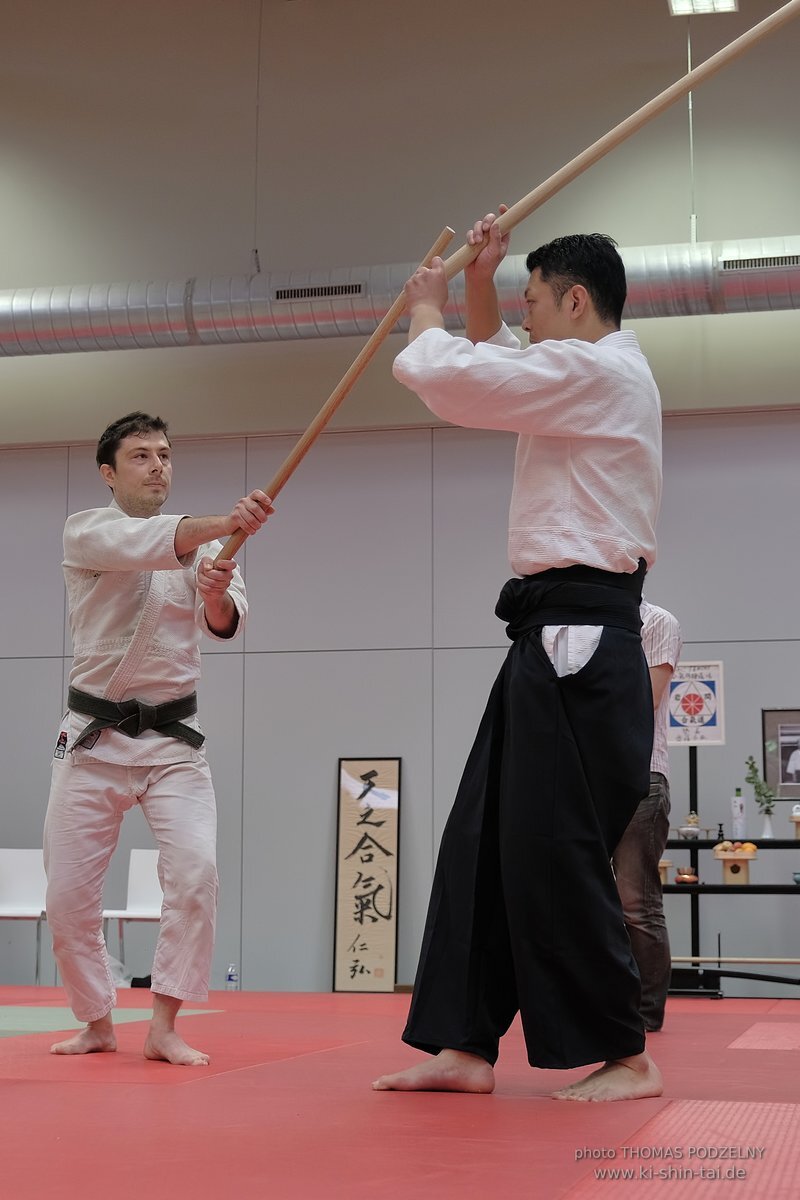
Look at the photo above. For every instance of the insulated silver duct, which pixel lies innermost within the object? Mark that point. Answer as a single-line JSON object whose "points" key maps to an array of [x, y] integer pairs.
{"points": [[752, 275]]}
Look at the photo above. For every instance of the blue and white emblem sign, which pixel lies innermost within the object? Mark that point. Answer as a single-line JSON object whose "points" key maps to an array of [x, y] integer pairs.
{"points": [[696, 710]]}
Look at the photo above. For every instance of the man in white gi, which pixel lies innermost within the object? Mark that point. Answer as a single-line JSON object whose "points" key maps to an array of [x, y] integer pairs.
{"points": [[637, 856], [142, 588], [524, 913]]}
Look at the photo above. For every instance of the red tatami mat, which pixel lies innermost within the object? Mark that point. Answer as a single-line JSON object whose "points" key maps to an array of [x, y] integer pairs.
{"points": [[285, 1112], [742, 1149], [779, 1035]]}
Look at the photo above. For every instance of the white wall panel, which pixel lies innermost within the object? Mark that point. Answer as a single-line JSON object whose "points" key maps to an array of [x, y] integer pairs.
{"points": [[31, 691], [32, 490], [304, 712], [473, 474], [87, 488], [207, 476], [728, 564], [346, 561]]}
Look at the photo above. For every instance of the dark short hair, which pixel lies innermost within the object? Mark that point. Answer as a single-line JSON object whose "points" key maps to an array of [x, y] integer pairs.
{"points": [[590, 259], [117, 431]]}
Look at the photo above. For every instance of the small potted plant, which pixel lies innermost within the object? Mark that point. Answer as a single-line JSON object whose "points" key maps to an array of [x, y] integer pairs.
{"points": [[763, 795]]}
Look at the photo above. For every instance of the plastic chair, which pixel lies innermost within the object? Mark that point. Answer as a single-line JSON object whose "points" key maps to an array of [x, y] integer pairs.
{"points": [[144, 899], [23, 888]]}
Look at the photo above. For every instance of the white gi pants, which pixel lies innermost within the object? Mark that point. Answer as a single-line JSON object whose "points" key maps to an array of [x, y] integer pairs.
{"points": [[84, 815]]}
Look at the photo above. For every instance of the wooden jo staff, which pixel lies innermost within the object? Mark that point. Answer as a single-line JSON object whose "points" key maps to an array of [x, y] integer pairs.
{"points": [[301, 448], [524, 207], [508, 220]]}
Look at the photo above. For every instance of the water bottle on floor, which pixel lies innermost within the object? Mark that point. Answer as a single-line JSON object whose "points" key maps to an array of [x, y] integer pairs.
{"points": [[232, 978]]}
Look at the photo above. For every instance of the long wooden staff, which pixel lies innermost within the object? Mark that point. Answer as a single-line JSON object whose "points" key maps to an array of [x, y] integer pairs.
{"points": [[528, 204], [338, 394], [518, 212]]}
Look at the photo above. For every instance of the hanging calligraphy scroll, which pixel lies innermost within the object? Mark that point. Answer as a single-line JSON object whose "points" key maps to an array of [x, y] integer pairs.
{"points": [[365, 945]]}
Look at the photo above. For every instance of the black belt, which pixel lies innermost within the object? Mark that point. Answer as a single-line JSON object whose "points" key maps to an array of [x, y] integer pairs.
{"points": [[133, 717], [574, 595]]}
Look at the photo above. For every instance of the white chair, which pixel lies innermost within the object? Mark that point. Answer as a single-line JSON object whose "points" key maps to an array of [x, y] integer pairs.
{"points": [[144, 899], [23, 888]]}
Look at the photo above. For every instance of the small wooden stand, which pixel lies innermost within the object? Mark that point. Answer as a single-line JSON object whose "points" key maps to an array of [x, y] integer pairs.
{"points": [[735, 865], [796, 821], [663, 866]]}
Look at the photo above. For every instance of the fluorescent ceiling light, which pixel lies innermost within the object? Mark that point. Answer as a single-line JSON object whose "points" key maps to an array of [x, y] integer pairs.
{"points": [[686, 8]]}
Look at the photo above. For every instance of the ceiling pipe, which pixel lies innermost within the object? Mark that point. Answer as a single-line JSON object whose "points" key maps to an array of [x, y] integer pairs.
{"points": [[748, 275]]}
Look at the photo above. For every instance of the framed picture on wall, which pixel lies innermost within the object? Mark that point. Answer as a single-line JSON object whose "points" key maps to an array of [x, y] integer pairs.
{"points": [[367, 851], [781, 736]]}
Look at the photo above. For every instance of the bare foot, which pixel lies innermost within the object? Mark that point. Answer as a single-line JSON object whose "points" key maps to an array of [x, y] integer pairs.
{"points": [[168, 1046], [449, 1071], [626, 1079], [96, 1038]]}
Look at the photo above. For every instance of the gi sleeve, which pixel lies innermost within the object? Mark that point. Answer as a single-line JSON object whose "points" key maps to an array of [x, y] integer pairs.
{"points": [[105, 539], [554, 388]]}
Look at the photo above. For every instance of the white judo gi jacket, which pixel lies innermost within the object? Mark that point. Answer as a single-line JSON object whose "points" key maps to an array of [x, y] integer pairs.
{"points": [[136, 619]]}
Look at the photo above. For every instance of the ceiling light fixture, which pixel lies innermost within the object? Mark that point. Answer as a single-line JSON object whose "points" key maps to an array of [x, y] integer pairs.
{"points": [[688, 8]]}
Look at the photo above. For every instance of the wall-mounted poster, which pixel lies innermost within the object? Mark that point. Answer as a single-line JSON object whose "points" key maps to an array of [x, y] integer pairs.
{"points": [[368, 838], [781, 734], [696, 708]]}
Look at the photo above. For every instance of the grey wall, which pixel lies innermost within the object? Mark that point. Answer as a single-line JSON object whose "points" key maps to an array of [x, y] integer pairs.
{"points": [[372, 633]]}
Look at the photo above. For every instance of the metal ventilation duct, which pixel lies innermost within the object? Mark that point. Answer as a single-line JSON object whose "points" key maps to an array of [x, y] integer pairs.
{"points": [[752, 275]]}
